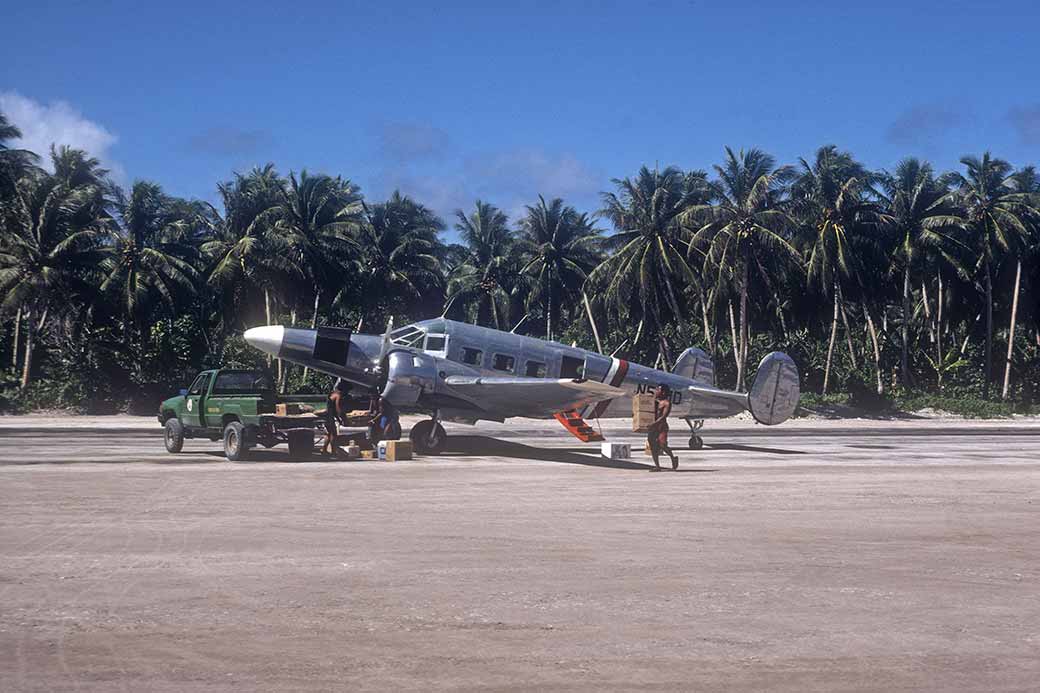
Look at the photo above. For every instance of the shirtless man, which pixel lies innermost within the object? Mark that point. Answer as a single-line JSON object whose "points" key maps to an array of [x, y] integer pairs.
{"points": [[657, 434]]}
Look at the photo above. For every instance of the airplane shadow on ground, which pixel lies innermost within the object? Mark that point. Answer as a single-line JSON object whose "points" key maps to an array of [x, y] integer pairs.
{"points": [[459, 446], [753, 448]]}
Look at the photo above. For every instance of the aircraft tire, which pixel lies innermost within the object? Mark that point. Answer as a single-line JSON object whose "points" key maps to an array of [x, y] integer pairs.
{"points": [[696, 442], [301, 444], [420, 437], [173, 435], [236, 448]]}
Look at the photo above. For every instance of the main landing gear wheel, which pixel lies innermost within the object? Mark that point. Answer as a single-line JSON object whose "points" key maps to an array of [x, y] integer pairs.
{"points": [[428, 438], [696, 442]]}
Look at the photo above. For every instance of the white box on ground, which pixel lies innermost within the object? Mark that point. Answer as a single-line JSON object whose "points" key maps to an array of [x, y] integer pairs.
{"points": [[616, 451]]}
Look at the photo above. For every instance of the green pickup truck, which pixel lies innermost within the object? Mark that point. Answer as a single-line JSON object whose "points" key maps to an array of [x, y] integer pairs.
{"points": [[239, 407]]}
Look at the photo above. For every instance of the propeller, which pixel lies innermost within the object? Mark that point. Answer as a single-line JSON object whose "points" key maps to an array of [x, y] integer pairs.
{"points": [[385, 346]]}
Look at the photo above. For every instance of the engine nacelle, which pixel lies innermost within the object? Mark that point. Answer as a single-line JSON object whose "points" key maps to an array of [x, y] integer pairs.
{"points": [[408, 376]]}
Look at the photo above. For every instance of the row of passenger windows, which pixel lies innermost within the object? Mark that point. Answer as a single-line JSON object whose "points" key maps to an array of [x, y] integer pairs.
{"points": [[502, 362]]}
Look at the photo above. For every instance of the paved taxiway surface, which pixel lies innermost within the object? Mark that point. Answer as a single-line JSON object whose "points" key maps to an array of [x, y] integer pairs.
{"points": [[816, 556]]}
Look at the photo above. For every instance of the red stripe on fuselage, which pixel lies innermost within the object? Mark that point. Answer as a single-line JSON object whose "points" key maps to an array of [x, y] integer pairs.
{"points": [[619, 377]]}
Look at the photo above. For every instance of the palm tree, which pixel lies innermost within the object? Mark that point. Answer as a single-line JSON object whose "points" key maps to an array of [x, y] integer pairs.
{"points": [[829, 200], [14, 163], [400, 253], [485, 274], [649, 266], [1026, 181], [49, 252], [558, 249], [242, 244], [151, 259], [996, 213], [317, 221], [745, 223], [916, 212]]}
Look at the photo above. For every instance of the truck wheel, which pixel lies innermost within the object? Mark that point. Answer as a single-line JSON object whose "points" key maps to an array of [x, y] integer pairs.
{"points": [[173, 435], [301, 443], [236, 447], [423, 442]]}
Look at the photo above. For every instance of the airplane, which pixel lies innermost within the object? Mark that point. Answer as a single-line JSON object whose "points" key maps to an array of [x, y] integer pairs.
{"points": [[465, 373]]}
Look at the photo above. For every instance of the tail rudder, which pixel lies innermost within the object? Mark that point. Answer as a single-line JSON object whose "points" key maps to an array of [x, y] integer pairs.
{"points": [[696, 365], [774, 395]]}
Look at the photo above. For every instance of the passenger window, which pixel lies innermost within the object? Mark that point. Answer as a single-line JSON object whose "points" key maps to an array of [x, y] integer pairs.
{"points": [[199, 386], [503, 362], [535, 369], [435, 343], [571, 367], [472, 356]]}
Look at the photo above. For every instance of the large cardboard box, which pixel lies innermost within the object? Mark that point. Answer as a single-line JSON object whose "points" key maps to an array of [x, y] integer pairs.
{"points": [[395, 450], [642, 412]]}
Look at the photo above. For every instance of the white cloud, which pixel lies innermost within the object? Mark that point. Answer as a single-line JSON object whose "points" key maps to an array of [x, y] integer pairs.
{"points": [[57, 123]]}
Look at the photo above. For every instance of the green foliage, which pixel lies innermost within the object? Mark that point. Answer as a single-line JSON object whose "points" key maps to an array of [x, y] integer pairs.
{"points": [[124, 295]]}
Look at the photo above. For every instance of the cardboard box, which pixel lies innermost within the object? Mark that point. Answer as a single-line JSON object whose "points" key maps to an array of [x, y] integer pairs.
{"points": [[395, 450], [615, 451], [290, 409], [642, 412]]}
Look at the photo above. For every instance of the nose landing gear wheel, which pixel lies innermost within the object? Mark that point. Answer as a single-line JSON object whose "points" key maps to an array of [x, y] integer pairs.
{"points": [[696, 442], [428, 438]]}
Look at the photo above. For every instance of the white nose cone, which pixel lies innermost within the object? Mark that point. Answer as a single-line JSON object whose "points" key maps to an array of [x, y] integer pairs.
{"points": [[267, 338]]}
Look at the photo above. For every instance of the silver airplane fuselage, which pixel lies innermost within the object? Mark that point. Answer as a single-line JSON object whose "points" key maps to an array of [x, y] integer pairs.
{"points": [[414, 368]]}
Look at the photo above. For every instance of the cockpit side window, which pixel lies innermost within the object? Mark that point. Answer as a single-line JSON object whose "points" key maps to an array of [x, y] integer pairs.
{"points": [[408, 336]]}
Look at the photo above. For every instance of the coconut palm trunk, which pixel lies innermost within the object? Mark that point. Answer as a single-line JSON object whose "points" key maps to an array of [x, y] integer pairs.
{"points": [[877, 349], [848, 332], [17, 339], [30, 341], [830, 345], [743, 325], [904, 362], [1011, 331], [736, 345], [989, 330]]}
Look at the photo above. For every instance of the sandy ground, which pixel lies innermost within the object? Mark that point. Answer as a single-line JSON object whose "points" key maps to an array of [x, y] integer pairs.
{"points": [[827, 556]]}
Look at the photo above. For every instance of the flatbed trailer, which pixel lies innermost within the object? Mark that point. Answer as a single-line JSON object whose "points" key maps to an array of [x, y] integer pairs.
{"points": [[239, 407]]}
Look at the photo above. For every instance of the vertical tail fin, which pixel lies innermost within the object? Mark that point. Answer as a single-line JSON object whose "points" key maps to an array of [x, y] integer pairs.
{"points": [[695, 365], [774, 396]]}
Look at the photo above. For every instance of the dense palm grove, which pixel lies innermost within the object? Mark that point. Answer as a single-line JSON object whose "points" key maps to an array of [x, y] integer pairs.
{"points": [[879, 283]]}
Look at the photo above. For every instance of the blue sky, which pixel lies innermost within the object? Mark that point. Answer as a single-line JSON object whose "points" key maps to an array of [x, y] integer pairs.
{"points": [[454, 101]]}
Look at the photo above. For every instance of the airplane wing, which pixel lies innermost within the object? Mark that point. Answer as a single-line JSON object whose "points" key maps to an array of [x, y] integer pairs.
{"points": [[516, 396]]}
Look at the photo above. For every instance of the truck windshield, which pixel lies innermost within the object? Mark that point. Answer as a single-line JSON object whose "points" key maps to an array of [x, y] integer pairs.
{"points": [[241, 383]]}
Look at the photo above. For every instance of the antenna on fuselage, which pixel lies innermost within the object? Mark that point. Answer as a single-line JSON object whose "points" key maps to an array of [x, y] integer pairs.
{"points": [[513, 331], [620, 347]]}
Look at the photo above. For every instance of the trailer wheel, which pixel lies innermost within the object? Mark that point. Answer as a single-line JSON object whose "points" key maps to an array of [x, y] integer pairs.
{"points": [[301, 443], [173, 435], [236, 447]]}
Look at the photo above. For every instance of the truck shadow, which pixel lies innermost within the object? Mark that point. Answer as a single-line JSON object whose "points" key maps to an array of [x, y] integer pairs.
{"points": [[460, 446]]}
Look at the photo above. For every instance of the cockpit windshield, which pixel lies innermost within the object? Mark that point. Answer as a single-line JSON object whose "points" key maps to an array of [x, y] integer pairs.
{"points": [[410, 336]]}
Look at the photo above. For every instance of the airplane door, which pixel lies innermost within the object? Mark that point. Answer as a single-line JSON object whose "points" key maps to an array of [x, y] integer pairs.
{"points": [[436, 345], [596, 367]]}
